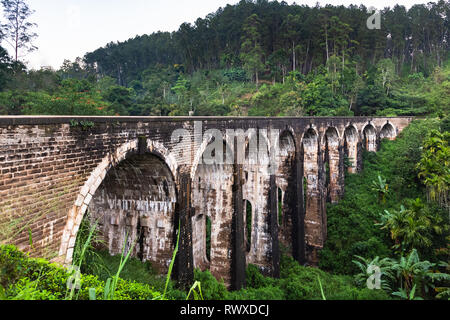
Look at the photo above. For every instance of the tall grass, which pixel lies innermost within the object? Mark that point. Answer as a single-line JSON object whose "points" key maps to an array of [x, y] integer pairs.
{"points": [[111, 283], [171, 264], [78, 260], [197, 295]]}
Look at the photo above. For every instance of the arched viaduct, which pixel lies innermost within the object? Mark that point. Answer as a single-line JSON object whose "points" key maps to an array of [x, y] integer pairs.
{"points": [[142, 178]]}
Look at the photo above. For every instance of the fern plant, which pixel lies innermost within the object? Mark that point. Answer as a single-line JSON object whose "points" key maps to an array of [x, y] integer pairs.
{"points": [[381, 187], [385, 266]]}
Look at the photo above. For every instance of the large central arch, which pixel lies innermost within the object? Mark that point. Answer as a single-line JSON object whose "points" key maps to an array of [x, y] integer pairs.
{"points": [[135, 208], [96, 179]]}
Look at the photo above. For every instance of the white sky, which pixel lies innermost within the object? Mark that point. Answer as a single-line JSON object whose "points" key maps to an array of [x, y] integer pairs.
{"points": [[70, 28]]}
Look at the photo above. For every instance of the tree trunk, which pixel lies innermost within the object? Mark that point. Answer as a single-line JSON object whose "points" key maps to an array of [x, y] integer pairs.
{"points": [[305, 65]]}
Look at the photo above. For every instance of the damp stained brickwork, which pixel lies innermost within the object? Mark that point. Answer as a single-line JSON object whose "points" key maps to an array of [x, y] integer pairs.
{"points": [[285, 182], [135, 208], [140, 180]]}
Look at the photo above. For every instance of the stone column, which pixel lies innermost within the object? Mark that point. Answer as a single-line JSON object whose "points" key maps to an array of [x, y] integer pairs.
{"points": [[238, 251], [333, 155], [298, 221], [313, 215], [273, 226], [352, 149], [184, 264]]}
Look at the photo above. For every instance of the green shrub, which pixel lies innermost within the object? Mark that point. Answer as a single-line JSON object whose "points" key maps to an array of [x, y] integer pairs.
{"points": [[255, 279], [134, 270], [211, 288], [37, 279], [352, 223]]}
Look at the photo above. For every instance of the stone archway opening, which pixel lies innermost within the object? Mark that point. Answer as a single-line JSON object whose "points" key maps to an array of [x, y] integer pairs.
{"points": [[351, 148], [388, 132], [332, 165], [370, 138], [134, 207]]}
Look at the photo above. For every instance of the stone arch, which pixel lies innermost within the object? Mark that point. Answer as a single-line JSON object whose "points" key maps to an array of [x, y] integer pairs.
{"points": [[332, 161], [208, 139], [310, 140], [369, 135], [97, 176], [135, 208], [330, 132], [257, 148], [211, 195], [351, 141], [388, 131], [286, 143]]}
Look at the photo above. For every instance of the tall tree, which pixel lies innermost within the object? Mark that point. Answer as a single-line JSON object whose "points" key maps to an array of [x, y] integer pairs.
{"points": [[5, 67], [17, 30], [292, 29], [251, 50]]}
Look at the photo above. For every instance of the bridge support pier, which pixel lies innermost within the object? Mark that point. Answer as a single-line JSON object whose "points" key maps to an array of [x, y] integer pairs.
{"points": [[238, 254], [273, 227], [184, 264], [298, 219]]}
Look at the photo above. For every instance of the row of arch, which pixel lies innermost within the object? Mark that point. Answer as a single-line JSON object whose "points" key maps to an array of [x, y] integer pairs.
{"points": [[139, 194], [213, 185]]}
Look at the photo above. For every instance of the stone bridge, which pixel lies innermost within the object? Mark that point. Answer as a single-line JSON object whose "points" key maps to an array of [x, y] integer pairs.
{"points": [[143, 178]]}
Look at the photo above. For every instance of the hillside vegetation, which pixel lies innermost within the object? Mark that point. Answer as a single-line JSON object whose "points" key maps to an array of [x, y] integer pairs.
{"points": [[254, 58]]}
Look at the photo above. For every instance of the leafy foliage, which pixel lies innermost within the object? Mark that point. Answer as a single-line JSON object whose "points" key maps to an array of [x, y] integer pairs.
{"points": [[38, 279], [354, 223], [315, 61], [434, 167]]}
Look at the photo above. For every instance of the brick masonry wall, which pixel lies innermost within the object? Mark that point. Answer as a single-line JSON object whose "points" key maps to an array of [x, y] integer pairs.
{"points": [[50, 170]]}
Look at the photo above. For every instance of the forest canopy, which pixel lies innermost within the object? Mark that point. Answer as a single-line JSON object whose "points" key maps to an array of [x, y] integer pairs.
{"points": [[264, 58]]}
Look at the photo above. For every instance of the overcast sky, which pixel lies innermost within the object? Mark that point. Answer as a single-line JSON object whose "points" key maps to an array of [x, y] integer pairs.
{"points": [[70, 28]]}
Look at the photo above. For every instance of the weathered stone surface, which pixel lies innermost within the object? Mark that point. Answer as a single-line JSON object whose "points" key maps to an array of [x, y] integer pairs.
{"points": [[135, 206], [132, 174]]}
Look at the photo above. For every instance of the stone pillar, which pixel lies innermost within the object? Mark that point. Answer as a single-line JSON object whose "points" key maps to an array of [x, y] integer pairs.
{"points": [[184, 264], [352, 154], [359, 161], [273, 226], [314, 204], [322, 200], [238, 254], [341, 178], [333, 157], [298, 218]]}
